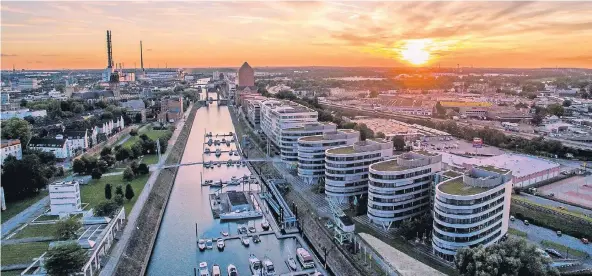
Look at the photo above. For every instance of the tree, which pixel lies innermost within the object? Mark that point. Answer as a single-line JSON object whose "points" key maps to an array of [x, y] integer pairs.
{"points": [[15, 128], [398, 143], [64, 259], [119, 190], [143, 169], [106, 208], [511, 257], [128, 175], [537, 119], [96, 173], [103, 166], [123, 153], [129, 192], [133, 132], [79, 166], [555, 109], [566, 103], [22, 178], [440, 110], [107, 115], [118, 199], [67, 229], [138, 118], [108, 192], [136, 150], [105, 151], [380, 135]]}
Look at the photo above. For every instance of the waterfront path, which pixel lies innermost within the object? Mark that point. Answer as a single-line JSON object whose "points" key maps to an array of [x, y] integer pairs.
{"points": [[25, 216], [117, 251]]}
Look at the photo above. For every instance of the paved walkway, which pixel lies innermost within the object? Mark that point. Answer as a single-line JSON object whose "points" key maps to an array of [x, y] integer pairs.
{"points": [[26, 240], [119, 247], [549, 202], [25, 216]]}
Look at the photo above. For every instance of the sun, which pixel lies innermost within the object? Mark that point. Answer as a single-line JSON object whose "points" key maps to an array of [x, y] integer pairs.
{"points": [[415, 52]]}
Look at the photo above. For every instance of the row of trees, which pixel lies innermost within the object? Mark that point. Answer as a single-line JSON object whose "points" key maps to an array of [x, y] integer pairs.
{"points": [[26, 177]]}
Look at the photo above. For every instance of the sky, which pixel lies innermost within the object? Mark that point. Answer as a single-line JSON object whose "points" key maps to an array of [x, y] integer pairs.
{"points": [[58, 35]]}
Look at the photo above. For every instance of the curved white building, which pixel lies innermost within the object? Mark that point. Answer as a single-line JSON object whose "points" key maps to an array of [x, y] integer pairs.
{"points": [[470, 210], [311, 151], [400, 188], [288, 140], [346, 168]]}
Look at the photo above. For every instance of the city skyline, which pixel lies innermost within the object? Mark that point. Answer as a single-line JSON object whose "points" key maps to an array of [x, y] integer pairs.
{"points": [[56, 35]]}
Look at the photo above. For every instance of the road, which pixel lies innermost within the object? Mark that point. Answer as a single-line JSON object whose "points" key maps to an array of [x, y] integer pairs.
{"points": [[548, 202], [24, 216]]}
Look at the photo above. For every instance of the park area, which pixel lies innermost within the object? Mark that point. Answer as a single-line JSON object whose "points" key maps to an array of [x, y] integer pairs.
{"points": [[94, 192], [15, 207], [153, 135]]}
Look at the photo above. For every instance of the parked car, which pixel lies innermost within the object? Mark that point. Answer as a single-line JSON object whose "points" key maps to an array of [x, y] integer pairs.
{"points": [[559, 233], [526, 222], [512, 218], [585, 241], [553, 252]]}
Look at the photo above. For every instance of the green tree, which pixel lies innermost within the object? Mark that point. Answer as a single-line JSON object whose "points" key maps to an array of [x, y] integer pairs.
{"points": [[64, 259], [138, 118], [128, 175], [566, 103], [129, 192], [106, 208], [133, 132], [440, 110], [79, 166], [380, 135], [67, 229], [537, 119], [106, 151], [108, 191], [119, 190], [22, 178], [398, 143], [143, 169], [15, 128], [103, 166], [511, 257], [555, 109], [96, 173], [118, 199]]}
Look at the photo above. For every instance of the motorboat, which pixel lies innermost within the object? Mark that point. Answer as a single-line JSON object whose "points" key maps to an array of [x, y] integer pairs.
{"points": [[209, 134], [201, 244], [245, 241], [218, 152], [265, 225], [224, 233], [230, 134], [241, 215], [220, 243], [209, 244], [234, 181], [252, 229], [228, 143], [216, 142], [203, 269], [210, 142], [232, 271], [255, 265], [292, 264], [207, 165], [268, 268], [224, 140], [208, 182], [219, 164], [207, 151], [230, 152], [242, 229], [229, 163], [236, 153], [244, 164], [256, 238], [217, 184], [305, 258], [216, 270]]}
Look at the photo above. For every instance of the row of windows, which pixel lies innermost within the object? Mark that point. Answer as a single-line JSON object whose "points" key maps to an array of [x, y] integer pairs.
{"points": [[399, 207], [400, 176], [398, 199], [398, 192], [313, 168], [332, 144], [470, 202], [311, 173], [471, 238], [342, 178], [469, 211], [350, 184], [468, 220], [348, 171], [368, 156], [321, 162], [395, 185], [420, 209], [351, 165], [333, 190], [316, 156], [467, 230]]}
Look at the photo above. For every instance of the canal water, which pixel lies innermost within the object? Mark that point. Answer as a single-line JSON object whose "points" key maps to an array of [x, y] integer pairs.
{"points": [[175, 251]]}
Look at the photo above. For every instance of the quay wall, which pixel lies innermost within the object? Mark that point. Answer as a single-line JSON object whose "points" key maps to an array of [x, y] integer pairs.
{"points": [[137, 252]]}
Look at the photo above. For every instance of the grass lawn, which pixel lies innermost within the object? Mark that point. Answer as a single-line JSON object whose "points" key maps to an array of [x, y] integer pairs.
{"points": [[94, 192], [15, 207], [153, 134], [564, 250], [150, 159], [12, 273], [517, 232], [568, 212], [36, 230], [46, 218], [22, 253]]}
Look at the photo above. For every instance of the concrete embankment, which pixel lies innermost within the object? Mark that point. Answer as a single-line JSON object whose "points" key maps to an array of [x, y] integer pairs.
{"points": [[137, 251]]}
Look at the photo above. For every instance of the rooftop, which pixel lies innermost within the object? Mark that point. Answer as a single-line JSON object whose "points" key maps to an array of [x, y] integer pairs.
{"points": [[426, 153], [342, 150], [493, 169], [456, 186], [312, 138], [452, 174], [389, 165]]}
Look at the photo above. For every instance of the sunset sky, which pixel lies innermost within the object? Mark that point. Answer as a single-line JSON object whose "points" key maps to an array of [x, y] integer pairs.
{"points": [[56, 35]]}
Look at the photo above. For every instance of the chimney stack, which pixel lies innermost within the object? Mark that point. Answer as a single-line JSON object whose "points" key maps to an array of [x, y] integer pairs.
{"points": [[141, 56]]}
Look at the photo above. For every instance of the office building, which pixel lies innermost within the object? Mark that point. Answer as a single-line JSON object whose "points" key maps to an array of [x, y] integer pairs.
{"points": [[346, 167], [64, 198], [400, 188], [311, 151], [11, 147], [277, 115], [289, 138], [28, 83], [471, 210]]}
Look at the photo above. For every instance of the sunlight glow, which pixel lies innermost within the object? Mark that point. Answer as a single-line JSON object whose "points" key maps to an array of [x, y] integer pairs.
{"points": [[416, 52]]}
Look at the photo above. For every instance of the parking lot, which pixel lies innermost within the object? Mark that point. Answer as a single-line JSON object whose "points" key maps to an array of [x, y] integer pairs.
{"points": [[461, 147], [577, 189]]}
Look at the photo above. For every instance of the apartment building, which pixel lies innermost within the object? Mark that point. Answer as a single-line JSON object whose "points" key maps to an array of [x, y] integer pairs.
{"points": [[171, 110], [311, 151], [12, 147], [59, 147], [64, 198], [470, 210], [400, 188], [346, 167], [289, 138]]}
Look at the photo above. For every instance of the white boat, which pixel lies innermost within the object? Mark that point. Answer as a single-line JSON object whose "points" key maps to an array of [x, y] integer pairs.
{"points": [[224, 140], [217, 184], [208, 182], [218, 152], [209, 244], [236, 153], [241, 215], [305, 258], [242, 229], [203, 269], [255, 265], [232, 271], [252, 229], [245, 240], [228, 143], [234, 181], [201, 244], [292, 264], [207, 150], [229, 163], [265, 224], [216, 270], [210, 142], [219, 164], [220, 243], [224, 233], [268, 268]]}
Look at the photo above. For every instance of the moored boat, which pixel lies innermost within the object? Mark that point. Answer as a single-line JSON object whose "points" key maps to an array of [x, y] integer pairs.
{"points": [[265, 224], [216, 270], [240, 215], [255, 265], [245, 241], [203, 269], [209, 244], [232, 271], [220, 243], [201, 244], [268, 268], [292, 264]]}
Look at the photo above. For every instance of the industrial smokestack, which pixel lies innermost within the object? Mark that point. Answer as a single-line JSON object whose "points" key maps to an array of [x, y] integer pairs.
{"points": [[141, 56], [109, 50]]}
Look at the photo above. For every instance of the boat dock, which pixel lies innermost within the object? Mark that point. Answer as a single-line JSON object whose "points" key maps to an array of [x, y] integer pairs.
{"points": [[238, 236], [219, 203], [304, 272]]}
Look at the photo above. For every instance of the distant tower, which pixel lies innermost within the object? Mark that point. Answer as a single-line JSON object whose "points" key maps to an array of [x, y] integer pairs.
{"points": [[109, 50], [141, 57]]}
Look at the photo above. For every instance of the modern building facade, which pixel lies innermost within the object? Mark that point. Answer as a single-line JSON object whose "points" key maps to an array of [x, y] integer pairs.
{"points": [[470, 210], [346, 167], [11, 147], [289, 138], [64, 198], [400, 188], [311, 151], [279, 115]]}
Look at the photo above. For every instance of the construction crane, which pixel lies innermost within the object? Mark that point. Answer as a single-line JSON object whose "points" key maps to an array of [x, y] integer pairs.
{"points": [[344, 227]]}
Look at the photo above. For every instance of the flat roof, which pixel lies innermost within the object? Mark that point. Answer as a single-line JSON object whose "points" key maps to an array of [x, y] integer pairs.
{"points": [[456, 186], [342, 150], [389, 165], [237, 198], [312, 138], [520, 165], [452, 173]]}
